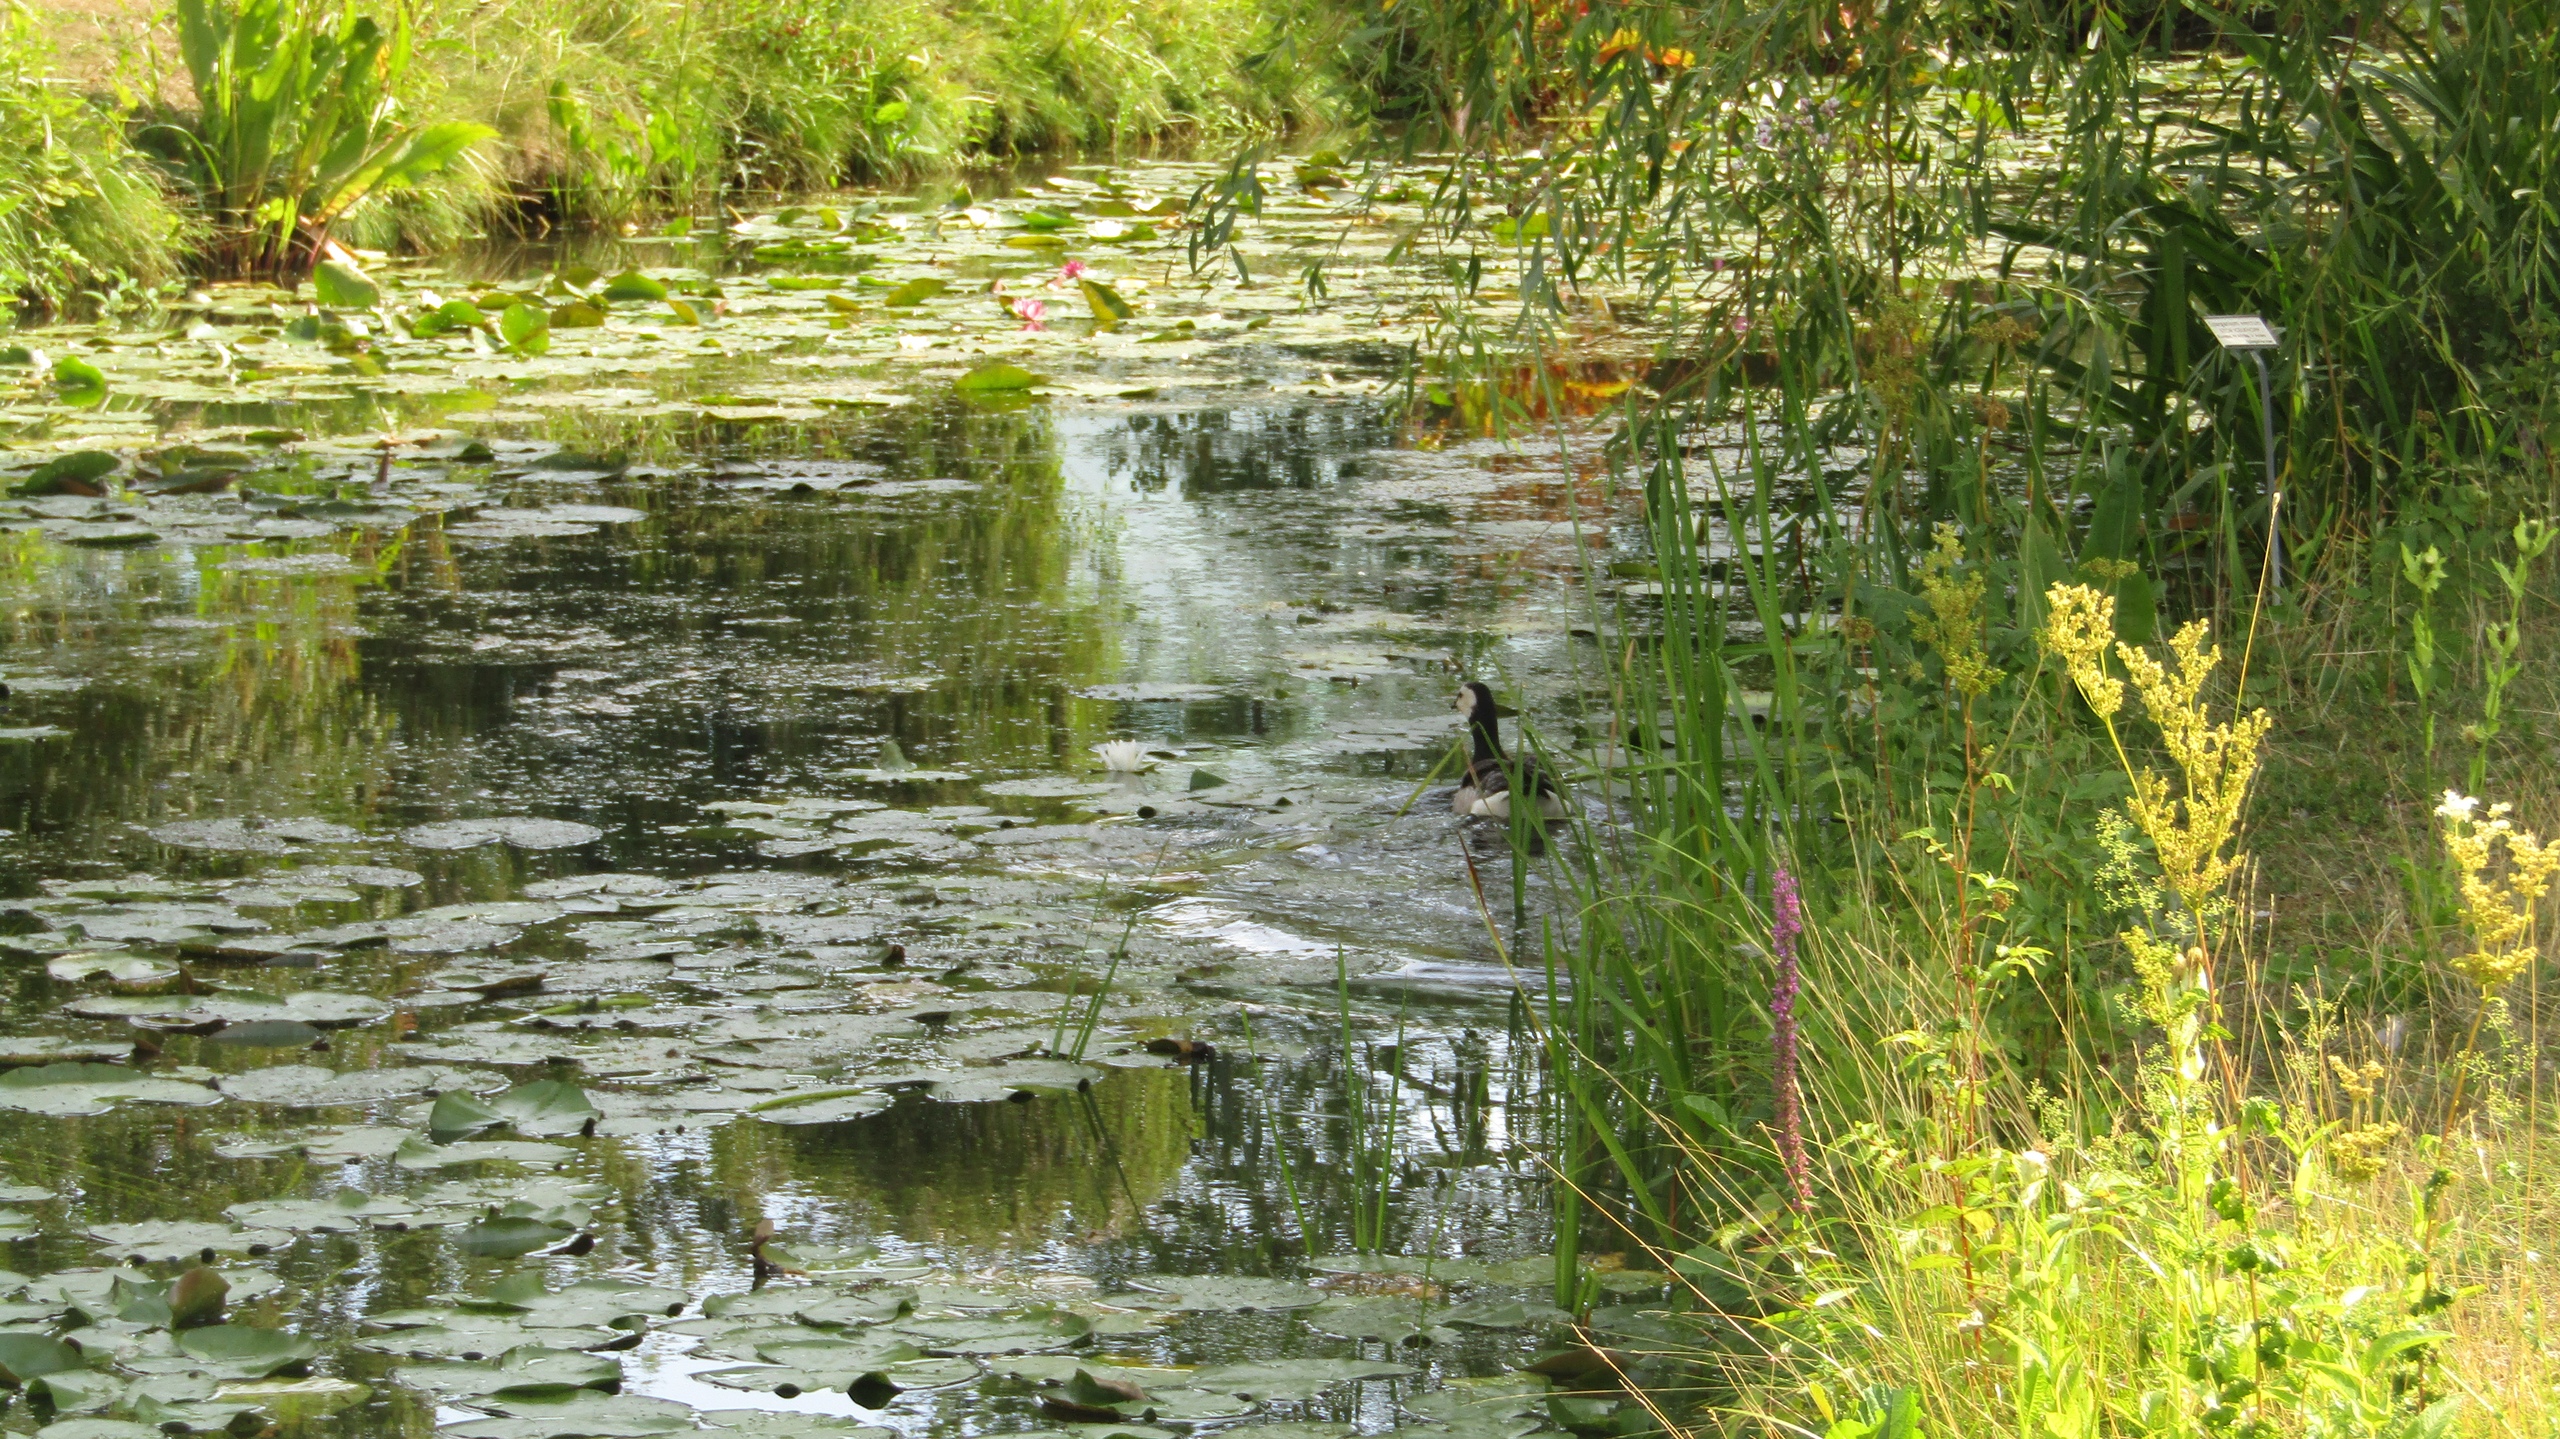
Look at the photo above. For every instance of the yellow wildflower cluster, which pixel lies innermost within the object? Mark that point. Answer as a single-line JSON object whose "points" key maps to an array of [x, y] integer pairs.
{"points": [[2081, 625], [2190, 827], [2359, 1083], [2357, 1153], [1953, 626], [2188, 831], [2498, 911]]}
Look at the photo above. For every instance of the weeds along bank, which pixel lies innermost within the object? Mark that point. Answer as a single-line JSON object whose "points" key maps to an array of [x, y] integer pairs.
{"points": [[2162, 1006], [410, 126], [607, 112]]}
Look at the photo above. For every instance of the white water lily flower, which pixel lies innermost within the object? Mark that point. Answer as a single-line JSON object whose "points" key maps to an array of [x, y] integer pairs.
{"points": [[1124, 756]]}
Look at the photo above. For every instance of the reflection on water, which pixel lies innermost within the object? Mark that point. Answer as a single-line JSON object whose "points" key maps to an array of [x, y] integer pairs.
{"points": [[1274, 596]]}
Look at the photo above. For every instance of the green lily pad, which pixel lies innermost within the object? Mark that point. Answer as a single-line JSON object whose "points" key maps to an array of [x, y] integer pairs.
{"points": [[526, 329], [1212, 1293], [632, 285], [29, 1356], [508, 1236], [996, 376], [916, 291], [75, 1089], [80, 468], [523, 1370], [342, 286], [1029, 1332], [239, 1351]]}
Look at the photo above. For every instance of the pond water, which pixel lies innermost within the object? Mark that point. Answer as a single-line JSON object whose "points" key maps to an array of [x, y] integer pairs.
{"points": [[577, 876]]}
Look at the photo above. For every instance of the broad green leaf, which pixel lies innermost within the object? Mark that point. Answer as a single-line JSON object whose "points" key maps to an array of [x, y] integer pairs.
{"points": [[241, 1351], [526, 329], [79, 382], [341, 286], [632, 285], [510, 1235], [917, 291], [996, 376], [577, 315], [61, 474], [1108, 306], [457, 1114], [27, 1356], [545, 1106]]}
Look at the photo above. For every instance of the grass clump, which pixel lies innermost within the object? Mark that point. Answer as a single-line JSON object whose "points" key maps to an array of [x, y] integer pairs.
{"points": [[76, 214]]}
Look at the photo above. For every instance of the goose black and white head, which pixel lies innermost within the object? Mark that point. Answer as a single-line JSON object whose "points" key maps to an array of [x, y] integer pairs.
{"points": [[1492, 775]]}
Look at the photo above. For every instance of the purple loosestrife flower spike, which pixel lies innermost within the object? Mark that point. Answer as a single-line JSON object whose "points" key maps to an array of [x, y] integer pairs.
{"points": [[1786, 922]]}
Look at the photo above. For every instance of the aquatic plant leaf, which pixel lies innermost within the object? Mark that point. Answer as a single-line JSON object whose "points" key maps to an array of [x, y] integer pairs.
{"points": [[78, 382], [916, 291], [341, 286], [1291, 1380], [92, 1427], [448, 317], [268, 1034], [117, 969], [1213, 1293], [823, 1106], [348, 1211], [308, 1086], [508, 1236], [457, 1115], [28, 1356], [240, 1351], [526, 330], [1107, 305], [81, 469], [632, 285], [996, 376], [519, 832], [76, 1089], [164, 1239], [525, 1369], [1029, 1332], [577, 315], [580, 1414], [417, 1153], [543, 1107]]}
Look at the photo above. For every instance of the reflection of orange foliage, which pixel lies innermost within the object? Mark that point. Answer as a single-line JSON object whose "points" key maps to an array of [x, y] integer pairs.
{"points": [[1523, 394]]}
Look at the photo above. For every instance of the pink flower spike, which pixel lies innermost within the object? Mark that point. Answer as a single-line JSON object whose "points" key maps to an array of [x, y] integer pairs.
{"points": [[1034, 314]]}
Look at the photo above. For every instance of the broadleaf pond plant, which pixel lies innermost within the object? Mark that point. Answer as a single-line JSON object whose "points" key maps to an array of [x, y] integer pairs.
{"points": [[299, 119]]}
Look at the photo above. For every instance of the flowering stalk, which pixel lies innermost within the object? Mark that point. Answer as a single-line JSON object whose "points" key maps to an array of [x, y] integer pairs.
{"points": [[1786, 921]]}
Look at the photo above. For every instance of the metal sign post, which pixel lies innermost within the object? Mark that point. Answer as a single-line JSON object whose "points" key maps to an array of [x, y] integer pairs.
{"points": [[2252, 335]]}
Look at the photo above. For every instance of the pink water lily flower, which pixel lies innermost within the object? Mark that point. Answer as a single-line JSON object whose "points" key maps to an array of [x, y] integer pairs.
{"points": [[1034, 314]]}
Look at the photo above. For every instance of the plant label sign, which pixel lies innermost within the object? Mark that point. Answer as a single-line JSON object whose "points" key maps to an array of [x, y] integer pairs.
{"points": [[2242, 332]]}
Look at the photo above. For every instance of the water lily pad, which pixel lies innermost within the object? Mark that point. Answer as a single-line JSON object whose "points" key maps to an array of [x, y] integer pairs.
{"points": [[307, 1086], [996, 376], [240, 1351], [348, 1211], [1212, 1293], [822, 1106], [581, 1414], [507, 1236], [525, 1369], [162, 1239], [1029, 1332], [28, 1356], [119, 969], [76, 1089], [522, 833], [1291, 1380]]}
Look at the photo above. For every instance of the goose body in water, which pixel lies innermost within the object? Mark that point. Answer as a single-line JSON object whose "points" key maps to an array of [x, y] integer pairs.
{"points": [[1492, 776]]}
